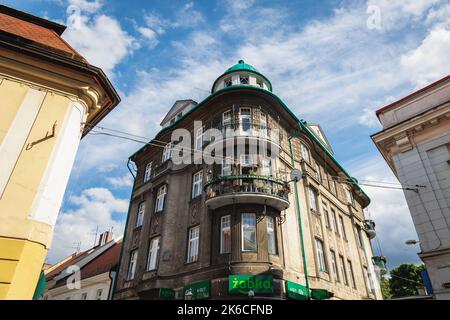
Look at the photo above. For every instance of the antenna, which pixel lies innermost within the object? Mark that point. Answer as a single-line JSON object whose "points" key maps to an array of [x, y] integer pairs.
{"points": [[77, 246], [95, 233]]}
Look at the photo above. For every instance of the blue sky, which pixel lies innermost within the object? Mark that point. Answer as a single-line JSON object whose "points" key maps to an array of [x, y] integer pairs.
{"points": [[324, 59]]}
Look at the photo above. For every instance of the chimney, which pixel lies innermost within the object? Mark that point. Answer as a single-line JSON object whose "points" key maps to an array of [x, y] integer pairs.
{"points": [[105, 237]]}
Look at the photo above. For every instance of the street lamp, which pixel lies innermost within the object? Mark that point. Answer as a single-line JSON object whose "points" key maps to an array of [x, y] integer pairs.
{"points": [[411, 242], [188, 294]]}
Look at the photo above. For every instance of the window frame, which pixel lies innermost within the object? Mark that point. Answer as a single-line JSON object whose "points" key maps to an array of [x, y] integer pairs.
{"points": [[246, 78], [334, 266], [225, 164], [140, 215], [320, 255], [153, 254], [253, 230], [223, 229], [97, 296], [325, 212], [197, 184], [335, 223], [312, 197], [193, 240], [352, 274], [199, 138], [304, 151], [343, 232], [158, 199], [227, 82], [148, 171], [263, 129], [343, 270], [167, 152], [132, 262], [274, 236]]}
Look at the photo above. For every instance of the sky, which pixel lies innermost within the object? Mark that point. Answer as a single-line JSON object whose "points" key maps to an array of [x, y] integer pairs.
{"points": [[332, 62]]}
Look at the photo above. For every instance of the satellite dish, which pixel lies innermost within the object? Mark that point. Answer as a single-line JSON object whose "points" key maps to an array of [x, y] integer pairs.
{"points": [[296, 175]]}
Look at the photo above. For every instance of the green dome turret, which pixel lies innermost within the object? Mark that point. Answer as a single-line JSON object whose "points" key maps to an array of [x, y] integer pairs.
{"points": [[245, 70]]}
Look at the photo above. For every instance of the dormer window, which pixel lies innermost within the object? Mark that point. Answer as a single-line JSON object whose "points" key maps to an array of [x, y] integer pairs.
{"points": [[259, 83], [228, 82], [244, 80]]}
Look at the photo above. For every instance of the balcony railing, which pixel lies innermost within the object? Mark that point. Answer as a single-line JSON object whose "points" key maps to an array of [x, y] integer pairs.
{"points": [[241, 129], [247, 189]]}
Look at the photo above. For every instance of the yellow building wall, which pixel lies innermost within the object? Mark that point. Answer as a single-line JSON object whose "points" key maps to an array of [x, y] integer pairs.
{"points": [[24, 242]]}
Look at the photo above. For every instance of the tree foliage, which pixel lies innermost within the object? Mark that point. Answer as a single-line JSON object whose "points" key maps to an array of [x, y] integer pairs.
{"points": [[405, 279], [385, 289]]}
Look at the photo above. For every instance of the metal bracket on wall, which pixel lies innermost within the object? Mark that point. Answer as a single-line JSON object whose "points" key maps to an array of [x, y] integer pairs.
{"points": [[48, 135]]}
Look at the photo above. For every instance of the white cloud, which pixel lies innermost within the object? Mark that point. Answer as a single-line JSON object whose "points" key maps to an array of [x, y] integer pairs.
{"points": [[149, 35], [187, 17], [88, 6], [121, 182], [429, 61], [368, 118], [101, 40], [94, 208]]}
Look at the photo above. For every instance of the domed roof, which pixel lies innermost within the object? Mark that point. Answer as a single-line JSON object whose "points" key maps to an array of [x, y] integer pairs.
{"points": [[241, 66]]}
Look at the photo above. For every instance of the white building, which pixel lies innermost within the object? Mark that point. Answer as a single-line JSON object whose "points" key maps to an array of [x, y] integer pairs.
{"points": [[97, 271], [415, 142]]}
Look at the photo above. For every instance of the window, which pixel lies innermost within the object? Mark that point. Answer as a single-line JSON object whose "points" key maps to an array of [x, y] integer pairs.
{"points": [[228, 82], [199, 139], [341, 224], [225, 234], [179, 116], [84, 296], [263, 124], [246, 160], [266, 167], [132, 264], [140, 215], [359, 239], [167, 153], [326, 215], [332, 185], [160, 198], [248, 232], [152, 254], [194, 234], [197, 183], [99, 294], [333, 217], [226, 168], [352, 275], [227, 117], [334, 266], [271, 239], [304, 151], [318, 175], [369, 282], [320, 256], [313, 199], [343, 271], [350, 198], [245, 120], [244, 80], [259, 83], [148, 172]]}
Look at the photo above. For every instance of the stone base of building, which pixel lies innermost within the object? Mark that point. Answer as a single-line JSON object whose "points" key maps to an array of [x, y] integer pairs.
{"points": [[438, 267]]}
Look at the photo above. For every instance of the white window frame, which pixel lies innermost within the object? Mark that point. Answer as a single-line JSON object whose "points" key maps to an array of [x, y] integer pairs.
{"points": [[199, 138], [334, 266], [193, 244], [225, 227], [318, 174], [227, 118], [271, 236], [266, 167], [132, 265], [148, 172], [153, 251], [140, 215], [226, 81], [313, 199], [326, 215], [263, 124], [97, 295], [342, 226], [343, 270], [335, 223], [243, 117], [305, 152], [160, 198], [241, 77], [320, 256], [352, 275], [225, 164], [167, 152], [197, 182], [246, 160], [250, 228]]}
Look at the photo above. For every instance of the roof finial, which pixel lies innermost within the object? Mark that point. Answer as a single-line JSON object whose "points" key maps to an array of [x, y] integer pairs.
{"points": [[241, 61]]}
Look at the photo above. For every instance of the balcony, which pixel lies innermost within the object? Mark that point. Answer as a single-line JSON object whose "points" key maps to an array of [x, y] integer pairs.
{"points": [[241, 133], [369, 227], [380, 263], [247, 189]]}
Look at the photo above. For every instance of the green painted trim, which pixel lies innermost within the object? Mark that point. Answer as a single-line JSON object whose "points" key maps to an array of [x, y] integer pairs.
{"points": [[238, 177], [302, 126], [297, 200]]}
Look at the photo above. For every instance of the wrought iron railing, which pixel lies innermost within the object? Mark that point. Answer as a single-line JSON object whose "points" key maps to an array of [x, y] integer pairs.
{"points": [[249, 184], [233, 129]]}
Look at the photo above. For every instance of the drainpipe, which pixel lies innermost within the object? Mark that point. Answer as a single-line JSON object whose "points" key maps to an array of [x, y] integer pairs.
{"points": [[124, 233], [297, 201]]}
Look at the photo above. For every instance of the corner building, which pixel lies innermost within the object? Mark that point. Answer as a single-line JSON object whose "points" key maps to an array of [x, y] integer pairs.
{"points": [[234, 229]]}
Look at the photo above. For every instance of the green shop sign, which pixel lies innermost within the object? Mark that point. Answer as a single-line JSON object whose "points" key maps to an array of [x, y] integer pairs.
{"points": [[199, 290], [168, 294], [296, 291], [321, 294], [244, 283]]}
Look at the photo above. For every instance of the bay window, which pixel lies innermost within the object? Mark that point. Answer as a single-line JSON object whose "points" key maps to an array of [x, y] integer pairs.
{"points": [[225, 234], [193, 244], [271, 238], [248, 232], [197, 182], [160, 198], [152, 254]]}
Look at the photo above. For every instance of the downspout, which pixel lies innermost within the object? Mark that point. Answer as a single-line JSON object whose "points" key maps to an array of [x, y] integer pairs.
{"points": [[124, 233], [297, 201]]}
